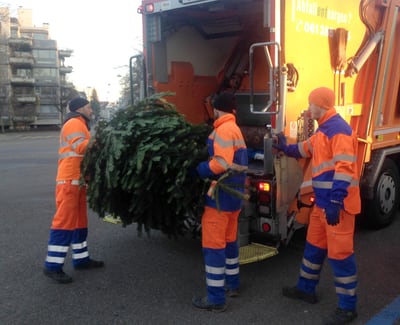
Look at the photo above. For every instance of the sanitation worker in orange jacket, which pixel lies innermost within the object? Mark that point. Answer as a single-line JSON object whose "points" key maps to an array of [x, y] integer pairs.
{"points": [[335, 181], [227, 151], [69, 226]]}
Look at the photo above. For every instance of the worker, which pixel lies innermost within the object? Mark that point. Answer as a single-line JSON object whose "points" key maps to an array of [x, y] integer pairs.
{"points": [[335, 181], [227, 151], [70, 223]]}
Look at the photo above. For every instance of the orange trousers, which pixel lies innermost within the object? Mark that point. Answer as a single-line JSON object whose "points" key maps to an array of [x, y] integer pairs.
{"points": [[218, 227], [71, 207], [338, 240]]}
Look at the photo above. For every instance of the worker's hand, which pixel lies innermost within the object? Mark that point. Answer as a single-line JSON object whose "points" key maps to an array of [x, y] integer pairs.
{"points": [[203, 170], [280, 145], [332, 212]]}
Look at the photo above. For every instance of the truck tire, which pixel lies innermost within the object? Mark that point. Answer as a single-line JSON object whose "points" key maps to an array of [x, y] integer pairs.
{"points": [[381, 210]]}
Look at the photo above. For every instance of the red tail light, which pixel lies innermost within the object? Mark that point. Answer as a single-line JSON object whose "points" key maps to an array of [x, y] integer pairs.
{"points": [[266, 227], [149, 8]]}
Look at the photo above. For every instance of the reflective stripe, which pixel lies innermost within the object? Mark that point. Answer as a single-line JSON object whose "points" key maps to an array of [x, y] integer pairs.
{"points": [[69, 154], [238, 168], [309, 276], [346, 279], [227, 143], [57, 248], [328, 185], [306, 184], [63, 144], [77, 143], [222, 142], [222, 162], [74, 135], [331, 163], [342, 177], [348, 292], [310, 265], [355, 182], [300, 147], [79, 245], [325, 164], [343, 157], [55, 259], [73, 182], [215, 283], [215, 270], [320, 184], [232, 271], [80, 255], [231, 261]]}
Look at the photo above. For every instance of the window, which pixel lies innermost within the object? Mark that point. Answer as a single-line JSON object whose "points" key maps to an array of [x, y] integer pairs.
{"points": [[40, 36], [48, 109], [45, 72], [45, 56], [47, 91]]}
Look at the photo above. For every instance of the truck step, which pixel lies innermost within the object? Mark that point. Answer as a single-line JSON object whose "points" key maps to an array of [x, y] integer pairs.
{"points": [[255, 252]]}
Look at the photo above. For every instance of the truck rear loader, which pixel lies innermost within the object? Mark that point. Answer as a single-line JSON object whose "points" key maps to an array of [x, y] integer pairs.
{"points": [[271, 54]]}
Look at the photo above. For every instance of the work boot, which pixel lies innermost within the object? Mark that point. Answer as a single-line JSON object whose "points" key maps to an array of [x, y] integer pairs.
{"points": [[295, 293], [341, 316], [204, 304], [58, 276], [233, 293], [91, 264]]}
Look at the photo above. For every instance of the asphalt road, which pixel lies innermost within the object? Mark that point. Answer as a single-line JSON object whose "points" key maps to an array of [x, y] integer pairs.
{"points": [[152, 280]]}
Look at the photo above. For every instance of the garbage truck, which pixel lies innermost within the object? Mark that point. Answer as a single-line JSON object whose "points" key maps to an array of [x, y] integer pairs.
{"points": [[271, 54]]}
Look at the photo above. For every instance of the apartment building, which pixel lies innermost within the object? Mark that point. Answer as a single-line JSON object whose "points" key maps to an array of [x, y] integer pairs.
{"points": [[34, 89]]}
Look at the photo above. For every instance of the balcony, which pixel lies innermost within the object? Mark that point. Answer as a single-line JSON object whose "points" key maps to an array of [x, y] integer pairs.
{"points": [[66, 85], [18, 80], [21, 43], [22, 61], [64, 53], [25, 99], [64, 69]]}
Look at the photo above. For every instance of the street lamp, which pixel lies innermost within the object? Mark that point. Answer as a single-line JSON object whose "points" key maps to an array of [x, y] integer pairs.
{"points": [[142, 77]]}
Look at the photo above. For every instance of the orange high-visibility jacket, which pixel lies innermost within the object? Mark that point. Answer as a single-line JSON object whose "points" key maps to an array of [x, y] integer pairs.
{"points": [[333, 148], [74, 140], [227, 149]]}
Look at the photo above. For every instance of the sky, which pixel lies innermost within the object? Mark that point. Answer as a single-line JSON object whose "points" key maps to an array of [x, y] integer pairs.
{"points": [[102, 34]]}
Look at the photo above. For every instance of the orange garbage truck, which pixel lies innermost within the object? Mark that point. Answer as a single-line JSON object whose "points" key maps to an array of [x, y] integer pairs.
{"points": [[271, 54]]}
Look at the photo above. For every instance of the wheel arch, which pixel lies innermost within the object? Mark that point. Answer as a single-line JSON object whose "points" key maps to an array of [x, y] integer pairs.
{"points": [[373, 168]]}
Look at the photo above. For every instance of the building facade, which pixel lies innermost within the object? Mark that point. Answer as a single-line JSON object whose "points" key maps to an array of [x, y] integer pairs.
{"points": [[34, 90]]}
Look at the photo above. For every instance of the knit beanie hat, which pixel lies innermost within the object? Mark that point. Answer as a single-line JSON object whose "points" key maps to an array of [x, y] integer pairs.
{"points": [[225, 102], [322, 97], [77, 103]]}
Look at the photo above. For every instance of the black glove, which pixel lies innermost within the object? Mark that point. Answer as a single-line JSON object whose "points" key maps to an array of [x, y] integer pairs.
{"points": [[281, 144], [332, 212]]}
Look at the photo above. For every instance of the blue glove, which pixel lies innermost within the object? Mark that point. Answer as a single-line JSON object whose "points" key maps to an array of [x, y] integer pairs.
{"points": [[281, 144], [332, 212], [203, 169]]}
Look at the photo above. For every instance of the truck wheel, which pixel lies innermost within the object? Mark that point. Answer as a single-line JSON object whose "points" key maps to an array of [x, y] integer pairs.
{"points": [[381, 210]]}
